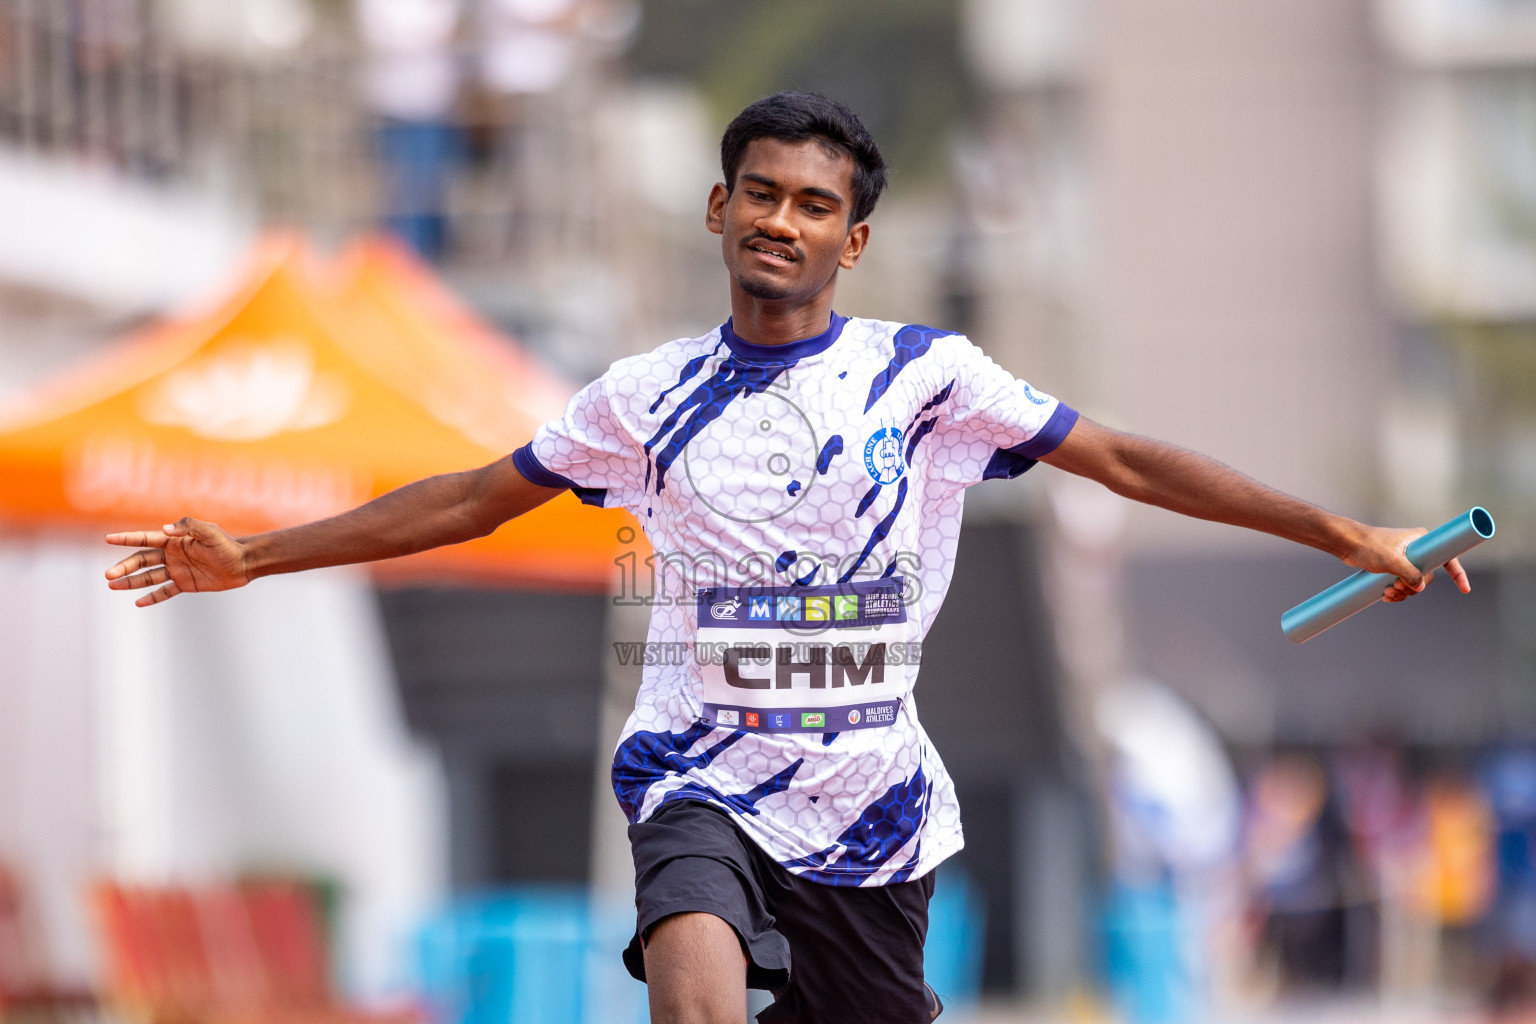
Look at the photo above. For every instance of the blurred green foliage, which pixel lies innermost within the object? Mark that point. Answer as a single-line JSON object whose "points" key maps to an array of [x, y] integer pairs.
{"points": [[898, 63]]}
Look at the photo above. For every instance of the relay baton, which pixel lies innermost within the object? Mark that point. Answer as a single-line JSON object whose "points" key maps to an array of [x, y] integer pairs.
{"points": [[1364, 589]]}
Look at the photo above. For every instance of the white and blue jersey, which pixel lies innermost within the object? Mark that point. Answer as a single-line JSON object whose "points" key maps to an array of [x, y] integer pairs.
{"points": [[804, 505]]}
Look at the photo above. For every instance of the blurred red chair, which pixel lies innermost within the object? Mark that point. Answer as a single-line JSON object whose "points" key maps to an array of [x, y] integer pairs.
{"points": [[27, 993], [227, 954]]}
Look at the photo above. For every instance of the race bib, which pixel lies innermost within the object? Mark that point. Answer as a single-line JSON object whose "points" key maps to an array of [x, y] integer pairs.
{"points": [[806, 659]]}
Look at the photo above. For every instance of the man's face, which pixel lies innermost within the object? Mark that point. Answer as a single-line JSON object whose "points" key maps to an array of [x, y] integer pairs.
{"points": [[784, 227]]}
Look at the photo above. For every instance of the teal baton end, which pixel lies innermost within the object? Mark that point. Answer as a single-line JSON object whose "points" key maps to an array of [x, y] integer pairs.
{"points": [[1363, 589]]}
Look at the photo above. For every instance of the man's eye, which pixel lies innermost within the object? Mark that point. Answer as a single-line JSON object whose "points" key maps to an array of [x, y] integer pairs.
{"points": [[817, 210], [762, 197]]}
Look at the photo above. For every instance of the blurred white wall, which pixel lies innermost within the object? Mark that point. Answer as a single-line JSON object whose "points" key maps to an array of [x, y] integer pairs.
{"points": [[80, 231], [255, 731]]}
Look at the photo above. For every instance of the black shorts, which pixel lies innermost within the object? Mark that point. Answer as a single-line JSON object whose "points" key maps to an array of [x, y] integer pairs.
{"points": [[833, 954]]}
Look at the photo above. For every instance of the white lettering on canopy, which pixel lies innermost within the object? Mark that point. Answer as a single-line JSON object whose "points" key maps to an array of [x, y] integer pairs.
{"points": [[127, 475]]}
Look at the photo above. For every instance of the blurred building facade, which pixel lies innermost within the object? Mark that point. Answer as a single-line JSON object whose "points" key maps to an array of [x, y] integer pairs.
{"points": [[1458, 205], [464, 126], [1291, 236], [1294, 236]]}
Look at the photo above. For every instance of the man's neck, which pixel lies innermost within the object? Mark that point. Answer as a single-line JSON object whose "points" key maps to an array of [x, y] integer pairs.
{"points": [[771, 322]]}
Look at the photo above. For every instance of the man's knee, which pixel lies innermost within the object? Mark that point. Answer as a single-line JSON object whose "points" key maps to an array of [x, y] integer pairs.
{"points": [[696, 971]]}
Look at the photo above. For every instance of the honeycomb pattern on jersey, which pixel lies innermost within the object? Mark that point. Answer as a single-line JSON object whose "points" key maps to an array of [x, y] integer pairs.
{"points": [[847, 463]]}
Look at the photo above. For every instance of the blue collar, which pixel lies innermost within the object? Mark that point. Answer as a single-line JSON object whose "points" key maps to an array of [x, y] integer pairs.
{"points": [[787, 353]]}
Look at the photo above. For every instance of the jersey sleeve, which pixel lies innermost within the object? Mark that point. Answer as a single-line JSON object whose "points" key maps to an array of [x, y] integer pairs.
{"points": [[587, 449], [998, 426]]}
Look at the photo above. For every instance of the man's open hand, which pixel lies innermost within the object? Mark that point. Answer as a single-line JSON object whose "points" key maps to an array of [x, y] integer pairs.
{"points": [[1385, 550], [188, 556]]}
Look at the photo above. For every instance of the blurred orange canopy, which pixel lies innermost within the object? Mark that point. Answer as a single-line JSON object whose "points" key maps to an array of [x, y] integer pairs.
{"points": [[312, 389]]}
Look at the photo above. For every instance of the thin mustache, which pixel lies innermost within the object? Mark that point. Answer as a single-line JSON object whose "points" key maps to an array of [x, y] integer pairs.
{"points": [[799, 255]]}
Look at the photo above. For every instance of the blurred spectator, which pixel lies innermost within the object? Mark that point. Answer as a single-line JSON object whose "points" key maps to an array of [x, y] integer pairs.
{"points": [[1174, 808], [1298, 856], [1511, 783], [1382, 813], [527, 45], [1457, 881], [1378, 802], [412, 83]]}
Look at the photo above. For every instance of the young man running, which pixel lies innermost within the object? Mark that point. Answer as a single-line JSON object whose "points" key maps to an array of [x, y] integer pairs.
{"points": [[802, 473]]}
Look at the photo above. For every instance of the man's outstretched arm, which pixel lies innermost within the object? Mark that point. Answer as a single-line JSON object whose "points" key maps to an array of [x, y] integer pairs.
{"points": [[1190, 483], [192, 556]]}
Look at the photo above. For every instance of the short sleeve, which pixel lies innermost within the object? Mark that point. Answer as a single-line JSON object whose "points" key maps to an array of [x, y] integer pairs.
{"points": [[587, 449], [997, 425]]}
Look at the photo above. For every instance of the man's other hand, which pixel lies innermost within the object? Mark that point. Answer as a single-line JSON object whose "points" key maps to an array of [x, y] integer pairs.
{"points": [[1381, 549], [187, 556]]}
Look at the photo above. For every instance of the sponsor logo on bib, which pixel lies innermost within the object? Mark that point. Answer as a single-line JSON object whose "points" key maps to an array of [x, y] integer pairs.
{"points": [[805, 658], [803, 718]]}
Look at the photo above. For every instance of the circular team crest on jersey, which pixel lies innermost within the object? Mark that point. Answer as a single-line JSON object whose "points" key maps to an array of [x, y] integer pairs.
{"points": [[882, 455], [755, 460], [854, 716]]}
